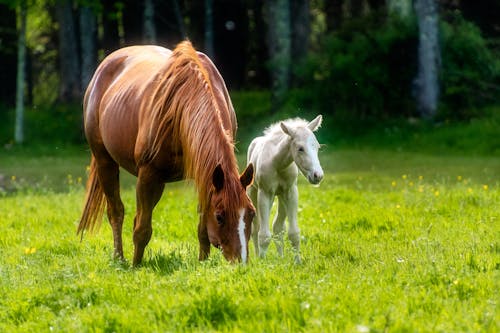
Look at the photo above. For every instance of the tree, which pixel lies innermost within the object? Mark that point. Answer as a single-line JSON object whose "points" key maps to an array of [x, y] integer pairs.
{"points": [[8, 54], [110, 32], [209, 29], [279, 43], [21, 60], [301, 30], [70, 88], [426, 81], [230, 23], [88, 43], [149, 32]]}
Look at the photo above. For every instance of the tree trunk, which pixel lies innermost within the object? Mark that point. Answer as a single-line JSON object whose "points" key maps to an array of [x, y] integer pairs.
{"points": [[149, 22], [209, 29], [301, 28], [69, 90], [110, 33], [88, 40], [21, 59], [9, 37], [334, 14], [130, 22], [426, 82], [279, 41], [178, 18]]}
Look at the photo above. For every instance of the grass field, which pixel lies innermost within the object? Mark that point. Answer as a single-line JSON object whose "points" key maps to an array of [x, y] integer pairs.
{"points": [[391, 242]]}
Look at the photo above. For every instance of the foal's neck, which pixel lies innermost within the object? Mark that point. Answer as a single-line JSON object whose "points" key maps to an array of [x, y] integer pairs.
{"points": [[284, 157]]}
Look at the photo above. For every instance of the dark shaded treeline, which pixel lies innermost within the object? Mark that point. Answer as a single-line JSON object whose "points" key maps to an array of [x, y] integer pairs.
{"points": [[256, 43]]}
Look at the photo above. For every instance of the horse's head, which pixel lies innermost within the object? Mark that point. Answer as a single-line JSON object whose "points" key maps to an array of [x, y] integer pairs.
{"points": [[304, 148], [230, 213]]}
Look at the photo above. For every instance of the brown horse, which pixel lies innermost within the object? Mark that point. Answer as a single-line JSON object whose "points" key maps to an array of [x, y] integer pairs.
{"points": [[164, 116]]}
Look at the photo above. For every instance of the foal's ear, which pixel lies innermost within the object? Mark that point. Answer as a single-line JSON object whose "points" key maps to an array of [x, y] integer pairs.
{"points": [[246, 177], [286, 129], [315, 123], [218, 178]]}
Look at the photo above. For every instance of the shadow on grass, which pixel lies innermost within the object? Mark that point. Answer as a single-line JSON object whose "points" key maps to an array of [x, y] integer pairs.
{"points": [[165, 264]]}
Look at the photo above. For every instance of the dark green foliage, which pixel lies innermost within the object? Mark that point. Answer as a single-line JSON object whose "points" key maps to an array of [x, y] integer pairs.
{"points": [[60, 124], [470, 74], [364, 70]]}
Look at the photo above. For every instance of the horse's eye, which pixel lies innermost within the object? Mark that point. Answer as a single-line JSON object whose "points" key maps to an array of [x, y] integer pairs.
{"points": [[251, 214], [220, 218], [301, 149]]}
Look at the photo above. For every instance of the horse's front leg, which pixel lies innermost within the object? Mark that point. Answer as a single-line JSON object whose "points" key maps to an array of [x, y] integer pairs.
{"points": [[148, 191], [291, 201], [264, 202]]}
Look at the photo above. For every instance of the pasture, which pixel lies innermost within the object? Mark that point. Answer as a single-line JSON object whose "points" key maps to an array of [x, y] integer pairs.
{"points": [[391, 241]]}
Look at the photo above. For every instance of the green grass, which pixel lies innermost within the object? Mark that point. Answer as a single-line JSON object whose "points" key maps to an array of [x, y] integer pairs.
{"points": [[392, 241]]}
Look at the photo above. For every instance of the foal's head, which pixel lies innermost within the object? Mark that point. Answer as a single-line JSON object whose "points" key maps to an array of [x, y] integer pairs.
{"points": [[230, 214], [304, 148]]}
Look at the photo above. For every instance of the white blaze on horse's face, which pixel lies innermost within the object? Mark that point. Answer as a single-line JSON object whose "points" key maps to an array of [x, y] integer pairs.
{"points": [[242, 236], [304, 149]]}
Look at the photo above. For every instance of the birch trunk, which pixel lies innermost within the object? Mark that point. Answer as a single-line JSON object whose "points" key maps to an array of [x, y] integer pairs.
{"points": [[426, 82], [21, 61], [279, 41], [149, 22]]}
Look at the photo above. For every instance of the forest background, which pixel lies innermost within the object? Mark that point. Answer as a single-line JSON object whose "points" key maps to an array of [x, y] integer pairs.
{"points": [[361, 63]]}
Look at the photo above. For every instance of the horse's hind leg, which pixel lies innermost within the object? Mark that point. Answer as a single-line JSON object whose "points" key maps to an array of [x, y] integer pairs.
{"points": [[279, 226], [264, 202], [108, 173], [149, 190]]}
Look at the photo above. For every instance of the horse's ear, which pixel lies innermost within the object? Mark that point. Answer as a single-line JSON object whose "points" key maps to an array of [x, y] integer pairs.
{"points": [[315, 123], [218, 178], [246, 177], [286, 129]]}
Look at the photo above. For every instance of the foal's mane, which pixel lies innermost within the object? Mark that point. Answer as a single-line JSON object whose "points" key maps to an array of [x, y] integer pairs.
{"points": [[275, 129], [183, 112]]}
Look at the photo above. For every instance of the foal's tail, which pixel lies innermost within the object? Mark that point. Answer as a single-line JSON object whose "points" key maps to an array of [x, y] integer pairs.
{"points": [[94, 202]]}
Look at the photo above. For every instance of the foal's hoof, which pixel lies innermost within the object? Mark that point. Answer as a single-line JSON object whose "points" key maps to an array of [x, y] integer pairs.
{"points": [[297, 260]]}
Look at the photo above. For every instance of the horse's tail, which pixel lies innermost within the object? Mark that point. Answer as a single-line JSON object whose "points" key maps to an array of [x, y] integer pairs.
{"points": [[94, 202]]}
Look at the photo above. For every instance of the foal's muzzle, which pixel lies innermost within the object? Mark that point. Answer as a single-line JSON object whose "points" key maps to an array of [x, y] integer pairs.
{"points": [[315, 177]]}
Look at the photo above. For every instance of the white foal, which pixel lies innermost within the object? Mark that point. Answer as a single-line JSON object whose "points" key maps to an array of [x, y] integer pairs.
{"points": [[277, 156]]}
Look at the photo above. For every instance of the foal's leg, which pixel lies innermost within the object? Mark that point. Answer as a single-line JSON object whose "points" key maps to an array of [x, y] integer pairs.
{"points": [[279, 226], [264, 202], [252, 193], [291, 203], [148, 191], [108, 174]]}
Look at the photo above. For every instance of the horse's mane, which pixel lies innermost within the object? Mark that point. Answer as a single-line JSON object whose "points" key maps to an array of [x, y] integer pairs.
{"points": [[275, 129], [183, 112]]}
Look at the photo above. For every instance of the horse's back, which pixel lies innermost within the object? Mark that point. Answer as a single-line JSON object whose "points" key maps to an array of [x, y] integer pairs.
{"points": [[121, 93], [114, 96]]}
